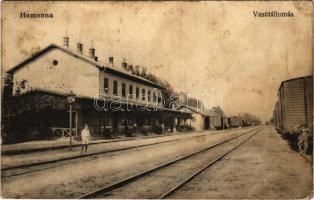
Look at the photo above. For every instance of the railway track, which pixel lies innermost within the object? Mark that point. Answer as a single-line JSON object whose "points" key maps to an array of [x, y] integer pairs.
{"points": [[307, 159], [52, 163], [120, 185], [40, 166]]}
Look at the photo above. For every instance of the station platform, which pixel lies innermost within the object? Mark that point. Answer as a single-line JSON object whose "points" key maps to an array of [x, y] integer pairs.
{"points": [[45, 152], [63, 143]]}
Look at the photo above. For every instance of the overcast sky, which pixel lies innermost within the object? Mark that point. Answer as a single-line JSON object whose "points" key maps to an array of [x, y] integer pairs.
{"points": [[198, 47]]}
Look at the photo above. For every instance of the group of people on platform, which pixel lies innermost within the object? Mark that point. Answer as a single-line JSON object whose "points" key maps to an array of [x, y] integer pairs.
{"points": [[303, 138], [86, 135]]}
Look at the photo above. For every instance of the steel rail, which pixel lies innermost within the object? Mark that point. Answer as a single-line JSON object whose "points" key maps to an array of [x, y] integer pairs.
{"points": [[82, 156], [132, 178], [23, 166], [172, 190], [306, 159]]}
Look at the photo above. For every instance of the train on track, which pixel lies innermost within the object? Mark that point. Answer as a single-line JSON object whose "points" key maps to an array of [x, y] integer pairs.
{"points": [[294, 108]]}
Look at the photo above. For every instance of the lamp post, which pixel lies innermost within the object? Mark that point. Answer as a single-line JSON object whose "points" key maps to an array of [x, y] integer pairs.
{"points": [[71, 100]]}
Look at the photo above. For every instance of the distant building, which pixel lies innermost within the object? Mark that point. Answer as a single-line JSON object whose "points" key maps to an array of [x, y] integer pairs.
{"points": [[204, 119], [234, 122]]}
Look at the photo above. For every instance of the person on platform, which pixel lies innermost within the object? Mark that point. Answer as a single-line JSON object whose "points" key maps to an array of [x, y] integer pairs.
{"points": [[85, 135], [135, 128], [303, 140]]}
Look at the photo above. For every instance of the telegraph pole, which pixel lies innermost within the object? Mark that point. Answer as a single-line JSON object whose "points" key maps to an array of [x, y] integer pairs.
{"points": [[71, 100]]}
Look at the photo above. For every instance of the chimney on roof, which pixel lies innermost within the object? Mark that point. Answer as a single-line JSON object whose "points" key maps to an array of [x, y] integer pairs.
{"points": [[92, 52], [79, 48], [125, 64], [66, 41], [111, 61]]}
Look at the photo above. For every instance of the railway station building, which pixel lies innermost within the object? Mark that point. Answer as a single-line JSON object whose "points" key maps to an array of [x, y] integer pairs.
{"points": [[109, 99]]}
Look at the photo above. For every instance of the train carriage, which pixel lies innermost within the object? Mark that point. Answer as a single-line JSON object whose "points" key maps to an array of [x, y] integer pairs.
{"points": [[277, 116], [295, 104], [234, 122]]}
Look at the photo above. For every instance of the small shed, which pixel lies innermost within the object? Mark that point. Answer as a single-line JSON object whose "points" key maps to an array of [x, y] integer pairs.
{"points": [[204, 119]]}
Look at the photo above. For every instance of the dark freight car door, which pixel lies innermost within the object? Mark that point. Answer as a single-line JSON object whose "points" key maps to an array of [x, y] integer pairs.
{"points": [[294, 107], [207, 123]]}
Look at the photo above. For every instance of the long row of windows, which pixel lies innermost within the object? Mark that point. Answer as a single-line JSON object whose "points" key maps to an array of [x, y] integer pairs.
{"points": [[124, 91]]}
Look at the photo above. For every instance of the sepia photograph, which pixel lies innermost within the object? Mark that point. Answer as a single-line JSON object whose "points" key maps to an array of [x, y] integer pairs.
{"points": [[156, 99]]}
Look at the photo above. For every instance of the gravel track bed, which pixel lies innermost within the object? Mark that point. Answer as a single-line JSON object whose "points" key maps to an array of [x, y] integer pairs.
{"points": [[159, 182], [262, 168], [82, 176]]}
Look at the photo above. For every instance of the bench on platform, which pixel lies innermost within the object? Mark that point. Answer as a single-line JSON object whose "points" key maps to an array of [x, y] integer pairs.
{"points": [[63, 132]]}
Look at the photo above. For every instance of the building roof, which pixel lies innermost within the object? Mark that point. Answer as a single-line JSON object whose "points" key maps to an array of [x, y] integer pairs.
{"points": [[293, 79], [65, 94], [206, 113], [112, 70]]}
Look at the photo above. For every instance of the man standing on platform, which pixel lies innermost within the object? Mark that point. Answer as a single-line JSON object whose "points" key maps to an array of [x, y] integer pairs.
{"points": [[303, 139], [85, 135]]}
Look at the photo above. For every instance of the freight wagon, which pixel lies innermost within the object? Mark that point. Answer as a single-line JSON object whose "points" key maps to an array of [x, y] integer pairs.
{"points": [[234, 122], [216, 121], [295, 105], [277, 116]]}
